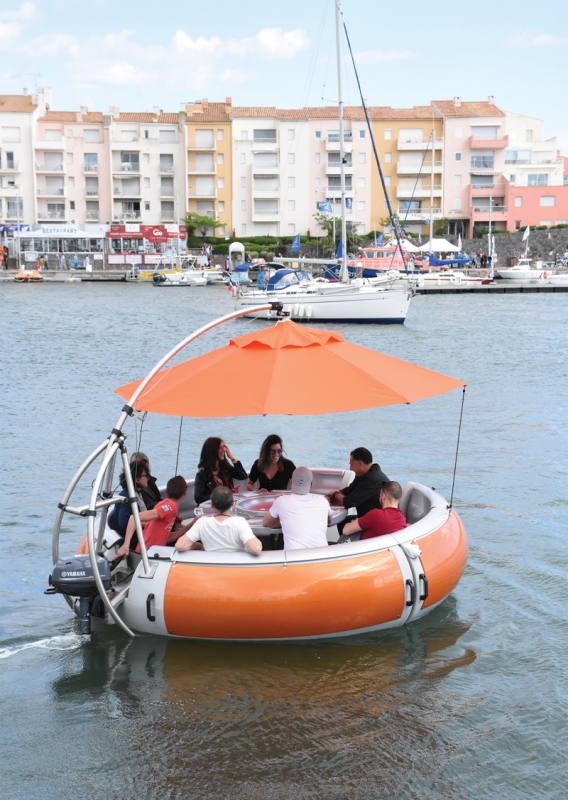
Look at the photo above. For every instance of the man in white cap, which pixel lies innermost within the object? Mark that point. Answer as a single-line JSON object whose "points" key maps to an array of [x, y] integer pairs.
{"points": [[303, 516]]}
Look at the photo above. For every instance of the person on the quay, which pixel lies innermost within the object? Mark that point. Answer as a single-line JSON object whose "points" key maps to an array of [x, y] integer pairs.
{"points": [[222, 531], [272, 471], [379, 521], [159, 522], [303, 516], [363, 493], [217, 467]]}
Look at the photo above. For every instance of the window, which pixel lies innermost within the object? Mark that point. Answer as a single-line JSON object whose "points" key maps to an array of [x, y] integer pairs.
{"points": [[362, 158], [268, 207], [130, 162], [220, 158], [264, 135], [414, 206], [69, 158], [146, 158], [72, 205], [318, 134], [484, 132], [291, 158], [243, 182], [333, 159], [547, 222], [265, 183], [71, 183], [512, 179], [388, 158], [360, 205], [334, 182], [11, 135], [146, 206], [318, 158], [146, 134], [221, 205], [291, 205], [167, 136], [457, 180], [128, 135], [92, 209], [561, 222], [204, 139], [386, 205], [517, 224], [243, 229], [361, 182], [91, 135], [220, 134], [291, 228], [9, 160], [362, 133], [166, 162], [291, 134], [388, 133], [411, 135], [458, 156], [146, 183], [529, 136], [243, 205], [15, 209], [538, 180], [292, 183], [518, 202], [549, 200], [91, 162], [53, 136], [265, 159], [518, 156], [221, 183], [387, 180], [457, 204], [483, 161], [91, 187], [458, 132], [167, 210], [317, 182], [244, 135], [70, 132], [243, 158]]}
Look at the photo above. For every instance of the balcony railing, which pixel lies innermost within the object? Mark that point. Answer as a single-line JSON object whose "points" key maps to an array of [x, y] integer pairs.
{"points": [[209, 145], [166, 191], [92, 216], [494, 210], [50, 167], [57, 192], [482, 163], [127, 192], [51, 215], [418, 144], [167, 217], [192, 192], [166, 169], [127, 215], [266, 139], [334, 137], [90, 167], [92, 192], [128, 167], [11, 166]]}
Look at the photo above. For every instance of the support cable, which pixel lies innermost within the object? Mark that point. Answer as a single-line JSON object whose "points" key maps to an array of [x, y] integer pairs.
{"points": [[179, 444], [457, 450]]}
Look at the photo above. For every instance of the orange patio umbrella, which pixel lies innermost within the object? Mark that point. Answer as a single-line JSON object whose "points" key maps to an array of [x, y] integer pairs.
{"points": [[286, 369]]}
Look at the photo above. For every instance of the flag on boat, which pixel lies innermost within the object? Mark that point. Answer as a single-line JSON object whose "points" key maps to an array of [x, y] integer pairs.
{"points": [[526, 233], [459, 243], [324, 207], [349, 203], [339, 251], [378, 240], [295, 247]]}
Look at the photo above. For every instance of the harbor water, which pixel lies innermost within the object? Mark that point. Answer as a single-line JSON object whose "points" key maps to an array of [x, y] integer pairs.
{"points": [[470, 702]]}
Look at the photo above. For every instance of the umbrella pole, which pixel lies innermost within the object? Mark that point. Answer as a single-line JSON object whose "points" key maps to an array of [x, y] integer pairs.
{"points": [[457, 449]]}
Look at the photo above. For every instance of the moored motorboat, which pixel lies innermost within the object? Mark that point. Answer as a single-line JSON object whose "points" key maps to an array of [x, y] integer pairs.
{"points": [[525, 270], [186, 278]]}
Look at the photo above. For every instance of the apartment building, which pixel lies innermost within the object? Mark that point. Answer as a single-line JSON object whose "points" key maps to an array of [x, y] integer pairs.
{"points": [[18, 118], [406, 138], [209, 164]]}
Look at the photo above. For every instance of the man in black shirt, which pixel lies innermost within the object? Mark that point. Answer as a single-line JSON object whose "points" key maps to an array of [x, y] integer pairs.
{"points": [[363, 493]]}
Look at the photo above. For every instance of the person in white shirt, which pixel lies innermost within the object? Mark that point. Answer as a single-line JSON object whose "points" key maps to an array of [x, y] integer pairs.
{"points": [[303, 516], [221, 531]]}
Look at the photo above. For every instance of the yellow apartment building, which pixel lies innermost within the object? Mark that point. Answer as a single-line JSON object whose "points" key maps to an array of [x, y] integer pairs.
{"points": [[403, 137], [209, 162]]}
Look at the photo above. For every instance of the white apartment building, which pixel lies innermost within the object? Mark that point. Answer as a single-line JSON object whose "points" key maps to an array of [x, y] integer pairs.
{"points": [[18, 118], [530, 160]]}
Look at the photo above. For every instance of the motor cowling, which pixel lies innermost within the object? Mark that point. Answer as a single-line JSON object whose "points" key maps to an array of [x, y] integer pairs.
{"points": [[74, 576]]}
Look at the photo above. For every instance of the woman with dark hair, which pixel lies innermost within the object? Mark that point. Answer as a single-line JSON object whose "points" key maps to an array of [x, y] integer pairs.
{"points": [[150, 494], [122, 511], [217, 467], [271, 469]]}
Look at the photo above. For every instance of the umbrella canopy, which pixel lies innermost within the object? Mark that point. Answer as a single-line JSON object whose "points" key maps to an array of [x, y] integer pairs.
{"points": [[286, 369], [439, 246], [407, 245]]}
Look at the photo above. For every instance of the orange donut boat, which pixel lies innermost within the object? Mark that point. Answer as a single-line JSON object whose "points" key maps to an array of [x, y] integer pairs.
{"points": [[282, 595]]}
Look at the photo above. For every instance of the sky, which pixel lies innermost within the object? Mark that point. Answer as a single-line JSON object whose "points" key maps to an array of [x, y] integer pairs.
{"points": [[137, 55]]}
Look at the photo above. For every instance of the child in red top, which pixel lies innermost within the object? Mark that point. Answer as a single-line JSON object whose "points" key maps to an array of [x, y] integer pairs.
{"points": [[159, 528], [379, 521]]}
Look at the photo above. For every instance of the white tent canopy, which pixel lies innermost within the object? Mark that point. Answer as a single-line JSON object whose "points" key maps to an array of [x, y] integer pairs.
{"points": [[407, 246], [439, 246]]}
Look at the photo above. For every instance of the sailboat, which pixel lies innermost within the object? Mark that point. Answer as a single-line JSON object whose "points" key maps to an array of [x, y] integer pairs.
{"points": [[350, 300]]}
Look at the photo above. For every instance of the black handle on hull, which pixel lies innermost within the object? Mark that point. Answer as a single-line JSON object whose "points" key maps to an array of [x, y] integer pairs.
{"points": [[424, 580], [149, 614], [412, 592]]}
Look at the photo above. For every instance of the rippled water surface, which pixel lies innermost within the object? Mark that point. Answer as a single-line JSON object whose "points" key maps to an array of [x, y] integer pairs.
{"points": [[470, 702]]}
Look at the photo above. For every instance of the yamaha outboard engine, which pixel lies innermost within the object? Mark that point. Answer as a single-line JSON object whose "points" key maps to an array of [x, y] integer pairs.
{"points": [[74, 577]]}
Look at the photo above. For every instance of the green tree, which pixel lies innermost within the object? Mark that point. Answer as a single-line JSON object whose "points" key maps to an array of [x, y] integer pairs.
{"points": [[200, 224], [326, 222]]}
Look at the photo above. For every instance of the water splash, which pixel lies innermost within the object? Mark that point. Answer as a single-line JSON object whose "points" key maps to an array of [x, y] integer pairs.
{"points": [[70, 641]]}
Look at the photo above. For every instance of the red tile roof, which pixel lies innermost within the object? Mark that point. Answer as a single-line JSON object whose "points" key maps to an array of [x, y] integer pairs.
{"points": [[212, 112], [17, 102], [72, 116], [468, 109], [147, 116]]}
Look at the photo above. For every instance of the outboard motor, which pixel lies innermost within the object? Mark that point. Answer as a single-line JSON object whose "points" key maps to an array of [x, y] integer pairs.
{"points": [[74, 577]]}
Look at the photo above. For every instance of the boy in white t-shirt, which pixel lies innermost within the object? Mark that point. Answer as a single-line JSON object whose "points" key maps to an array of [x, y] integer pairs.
{"points": [[221, 531], [304, 517]]}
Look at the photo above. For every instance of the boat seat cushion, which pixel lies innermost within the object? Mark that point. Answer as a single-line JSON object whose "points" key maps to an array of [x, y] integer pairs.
{"points": [[414, 505]]}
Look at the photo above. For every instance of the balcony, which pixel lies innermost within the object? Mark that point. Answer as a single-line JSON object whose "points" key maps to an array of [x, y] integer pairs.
{"points": [[333, 146], [269, 194], [419, 216], [201, 194], [57, 168], [488, 144], [128, 216], [415, 169], [335, 169], [131, 144], [50, 216], [11, 166], [92, 216], [211, 145], [56, 192], [167, 191], [269, 216], [192, 169], [126, 193], [167, 217], [421, 193], [419, 144], [92, 192], [481, 214], [58, 145], [133, 169], [498, 187], [166, 169], [90, 168]]}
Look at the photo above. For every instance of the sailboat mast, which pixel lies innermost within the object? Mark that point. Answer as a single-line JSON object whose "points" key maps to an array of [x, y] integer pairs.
{"points": [[343, 271]]}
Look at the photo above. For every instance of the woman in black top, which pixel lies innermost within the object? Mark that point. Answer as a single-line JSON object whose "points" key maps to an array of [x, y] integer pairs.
{"points": [[217, 467], [150, 494], [271, 469]]}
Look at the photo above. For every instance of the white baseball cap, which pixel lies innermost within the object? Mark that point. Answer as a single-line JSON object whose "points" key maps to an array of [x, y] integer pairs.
{"points": [[302, 480]]}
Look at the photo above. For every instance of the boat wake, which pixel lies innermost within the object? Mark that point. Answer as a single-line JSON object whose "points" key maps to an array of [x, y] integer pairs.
{"points": [[70, 641]]}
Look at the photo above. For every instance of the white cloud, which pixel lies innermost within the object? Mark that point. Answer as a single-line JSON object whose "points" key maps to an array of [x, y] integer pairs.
{"points": [[24, 13], [543, 40], [380, 56], [273, 43], [235, 76]]}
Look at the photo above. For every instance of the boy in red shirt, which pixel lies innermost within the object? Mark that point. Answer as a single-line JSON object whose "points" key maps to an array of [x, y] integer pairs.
{"points": [[160, 521], [378, 521]]}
